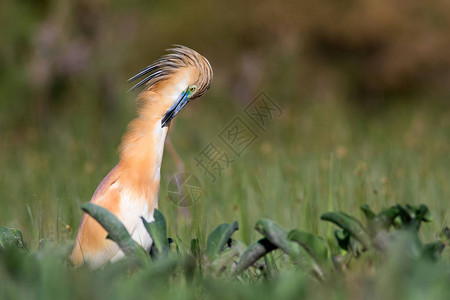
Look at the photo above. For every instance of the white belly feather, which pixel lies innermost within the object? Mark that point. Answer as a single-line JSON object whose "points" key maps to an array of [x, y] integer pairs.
{"points": [[132, 208]]}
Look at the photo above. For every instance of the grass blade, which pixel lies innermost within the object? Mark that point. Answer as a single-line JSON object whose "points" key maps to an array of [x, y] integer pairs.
{"points": [[181, 247]]}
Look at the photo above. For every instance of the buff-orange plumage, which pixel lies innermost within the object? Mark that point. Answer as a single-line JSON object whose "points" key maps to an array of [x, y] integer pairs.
{"points": [[130, 190]]}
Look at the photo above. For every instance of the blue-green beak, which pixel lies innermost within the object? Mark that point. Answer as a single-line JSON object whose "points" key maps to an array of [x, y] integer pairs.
{"points": [[173, 111]]}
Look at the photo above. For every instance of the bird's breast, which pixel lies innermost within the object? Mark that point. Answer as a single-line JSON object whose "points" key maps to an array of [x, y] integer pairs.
{"points": [[133, 207]]}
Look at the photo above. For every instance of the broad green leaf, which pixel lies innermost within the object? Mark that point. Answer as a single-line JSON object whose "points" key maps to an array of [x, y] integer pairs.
{"points": [[352, 225], [158, 231], [219, 237], [370, 219], [11, 237], [412, 216], [218, 265], [386, 217], [277, 235], [253, 253], [423, 213], [116, 230], [314, 245], [370, 215], [343, 239]]}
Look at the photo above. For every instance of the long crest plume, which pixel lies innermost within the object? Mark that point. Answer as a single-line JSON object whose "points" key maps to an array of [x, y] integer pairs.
{"points": [[178, 57]]}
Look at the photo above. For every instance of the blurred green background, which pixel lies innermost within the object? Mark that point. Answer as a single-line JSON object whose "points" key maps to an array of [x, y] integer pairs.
{"points": [[363, 86]]}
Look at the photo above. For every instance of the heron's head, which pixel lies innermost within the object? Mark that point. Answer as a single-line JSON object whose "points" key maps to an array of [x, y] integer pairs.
{"points": [[179, 76]]}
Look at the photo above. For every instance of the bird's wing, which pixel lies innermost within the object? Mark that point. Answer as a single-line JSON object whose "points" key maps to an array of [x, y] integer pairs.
{"points": [[91, 245]]}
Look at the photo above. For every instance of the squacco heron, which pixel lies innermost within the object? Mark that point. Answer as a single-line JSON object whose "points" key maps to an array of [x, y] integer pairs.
{"points": [[130, 190]]}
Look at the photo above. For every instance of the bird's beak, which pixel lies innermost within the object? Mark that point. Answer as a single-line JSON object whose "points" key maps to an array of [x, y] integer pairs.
{"points": [[175, 109]]}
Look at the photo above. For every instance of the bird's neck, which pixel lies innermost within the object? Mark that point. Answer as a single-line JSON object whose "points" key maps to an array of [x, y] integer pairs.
{"points": [[141, 154]]}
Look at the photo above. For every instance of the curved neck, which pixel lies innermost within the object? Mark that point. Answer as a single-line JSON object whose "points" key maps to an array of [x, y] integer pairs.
{"points": [[141, 154]]}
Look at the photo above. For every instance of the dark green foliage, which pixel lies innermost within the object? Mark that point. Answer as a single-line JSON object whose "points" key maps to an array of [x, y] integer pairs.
{"points": [[405, 219], [386, 218], [193, 270], [158, 232], [412, 216], [308, 251], [253, 253], [347, 242], [314, 245], [219, 237], [278, 236], [349, 224], [370, 215], [11, 237], [226, 257]]}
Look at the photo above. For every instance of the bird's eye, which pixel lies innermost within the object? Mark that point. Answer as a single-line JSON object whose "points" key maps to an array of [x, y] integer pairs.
{"points": [[192, 89]]}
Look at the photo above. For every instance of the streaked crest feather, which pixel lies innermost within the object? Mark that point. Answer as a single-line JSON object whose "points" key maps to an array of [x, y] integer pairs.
{"points": [[178, 57]]}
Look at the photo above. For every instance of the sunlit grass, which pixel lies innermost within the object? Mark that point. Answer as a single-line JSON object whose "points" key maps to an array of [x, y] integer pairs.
{"points": [[312, 159]]}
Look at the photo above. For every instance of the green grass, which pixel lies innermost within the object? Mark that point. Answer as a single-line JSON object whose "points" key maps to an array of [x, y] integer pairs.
{"points": [[313, 159]]}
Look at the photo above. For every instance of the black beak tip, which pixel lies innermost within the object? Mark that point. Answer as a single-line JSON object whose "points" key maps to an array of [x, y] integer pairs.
{"points": [[167, 118], [175, 109]]}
